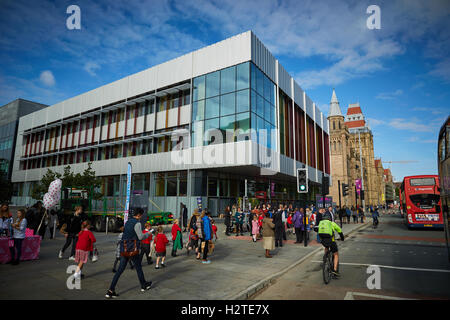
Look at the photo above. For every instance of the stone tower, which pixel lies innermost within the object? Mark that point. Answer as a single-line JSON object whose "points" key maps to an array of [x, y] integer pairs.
{"points": [[339, 158]]}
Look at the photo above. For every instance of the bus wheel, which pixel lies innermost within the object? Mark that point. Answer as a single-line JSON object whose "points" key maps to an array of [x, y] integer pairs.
{"points": [[100, 224], [112, 224]]}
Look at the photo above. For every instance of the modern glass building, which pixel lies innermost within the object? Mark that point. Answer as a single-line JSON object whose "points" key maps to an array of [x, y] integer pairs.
{"points": [[213, 125], [9, 120]]}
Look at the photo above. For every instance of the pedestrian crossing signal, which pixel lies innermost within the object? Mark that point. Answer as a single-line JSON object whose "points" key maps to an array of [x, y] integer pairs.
{"points": [[302, 180]]}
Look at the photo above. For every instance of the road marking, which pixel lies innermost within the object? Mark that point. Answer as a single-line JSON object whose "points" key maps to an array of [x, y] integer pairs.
{"points": [[351, 296], [390, 267]]}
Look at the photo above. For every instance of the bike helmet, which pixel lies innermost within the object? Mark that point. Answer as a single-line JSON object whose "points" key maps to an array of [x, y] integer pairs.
{"points": [[327, 216]]}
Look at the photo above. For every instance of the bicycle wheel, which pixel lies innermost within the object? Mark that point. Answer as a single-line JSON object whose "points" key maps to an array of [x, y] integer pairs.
{"points": [[326, 268]]}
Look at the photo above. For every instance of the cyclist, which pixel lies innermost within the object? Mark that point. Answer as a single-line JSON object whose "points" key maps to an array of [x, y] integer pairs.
{"points": [[326, 231], [375, 216]]}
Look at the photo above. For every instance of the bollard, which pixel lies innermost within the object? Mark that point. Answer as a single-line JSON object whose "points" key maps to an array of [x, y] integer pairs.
{"points": [[107, 220]]}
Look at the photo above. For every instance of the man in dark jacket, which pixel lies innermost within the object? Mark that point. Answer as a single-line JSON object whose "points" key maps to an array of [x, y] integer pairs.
{"points": [[278, 221], [73, 228], [227, 220], [132, 232], [184, 216]]}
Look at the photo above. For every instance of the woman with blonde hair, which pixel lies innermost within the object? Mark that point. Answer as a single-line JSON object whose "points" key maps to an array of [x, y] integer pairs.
{"points": [[19, 227]]}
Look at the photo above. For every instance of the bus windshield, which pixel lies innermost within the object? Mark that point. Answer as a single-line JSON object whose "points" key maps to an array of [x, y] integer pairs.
{"points": [[425, 201], [422, 182]]}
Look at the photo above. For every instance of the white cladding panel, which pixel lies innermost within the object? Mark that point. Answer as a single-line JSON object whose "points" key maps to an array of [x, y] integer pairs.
{"points": [[160, 120], [142, 82], [114, 91], [309, 107], [173, 118], [139, 125], [284, 80], [223, 54], [318, 117], [150, 126], [263, 58], [175, 71], [298, 95], [185, 114], [325, 123], [54, 112]]}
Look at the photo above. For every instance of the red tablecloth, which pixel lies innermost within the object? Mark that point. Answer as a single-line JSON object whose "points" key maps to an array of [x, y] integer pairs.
{"points": [[30, 249]]}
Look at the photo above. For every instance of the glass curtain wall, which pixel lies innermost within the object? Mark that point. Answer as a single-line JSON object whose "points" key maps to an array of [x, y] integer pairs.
{"points": [[232, 100]]}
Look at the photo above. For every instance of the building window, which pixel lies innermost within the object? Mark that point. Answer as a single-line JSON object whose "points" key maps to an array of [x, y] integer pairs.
{"points": [[213, 84], [228, 80]]}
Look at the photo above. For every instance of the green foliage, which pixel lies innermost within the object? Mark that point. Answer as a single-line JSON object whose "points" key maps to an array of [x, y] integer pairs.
{"points": [[5, 188], [87, 180]]}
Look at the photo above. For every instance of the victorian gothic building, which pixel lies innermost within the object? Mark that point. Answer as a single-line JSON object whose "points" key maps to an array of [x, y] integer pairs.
{"points": [[350, 137]]}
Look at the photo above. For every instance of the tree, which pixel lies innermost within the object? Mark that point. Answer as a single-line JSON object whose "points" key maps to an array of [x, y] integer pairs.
{"points": [[69, 179]]}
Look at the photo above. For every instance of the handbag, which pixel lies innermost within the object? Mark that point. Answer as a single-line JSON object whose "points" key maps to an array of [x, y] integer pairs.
{"points": [[130, 248]]}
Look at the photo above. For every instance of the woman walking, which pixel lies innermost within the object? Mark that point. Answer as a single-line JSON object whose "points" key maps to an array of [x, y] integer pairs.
{"points": [[268, 228]]}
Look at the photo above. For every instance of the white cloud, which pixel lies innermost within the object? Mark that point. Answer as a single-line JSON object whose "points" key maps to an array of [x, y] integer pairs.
{"points": [[410, 125], [47, 78], [389, 95], [375, 122], [90, 67]]}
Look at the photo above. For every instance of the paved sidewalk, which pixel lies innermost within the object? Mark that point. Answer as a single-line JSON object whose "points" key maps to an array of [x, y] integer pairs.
{"points": [[238, 268]]}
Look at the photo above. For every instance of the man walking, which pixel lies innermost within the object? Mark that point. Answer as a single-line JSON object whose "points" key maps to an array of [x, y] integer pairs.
{"points": [[278, 221], [184, 216], [132, 232]]}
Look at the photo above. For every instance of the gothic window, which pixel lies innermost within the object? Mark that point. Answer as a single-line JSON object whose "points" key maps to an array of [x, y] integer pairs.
{"points": [[334, 125], [339, 125]]}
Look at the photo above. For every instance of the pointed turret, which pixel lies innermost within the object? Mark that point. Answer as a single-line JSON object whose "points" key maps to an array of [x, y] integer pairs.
{"points": [[335, 109]]}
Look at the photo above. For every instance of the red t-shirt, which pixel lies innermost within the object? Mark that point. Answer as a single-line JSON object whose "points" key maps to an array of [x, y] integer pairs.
{"points": [[147, 241], [85, 241], [175, 229], [161, 241], [214, 229]]}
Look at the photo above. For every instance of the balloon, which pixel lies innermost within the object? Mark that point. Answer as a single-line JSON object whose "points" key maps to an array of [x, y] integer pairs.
{"points": [[55, 187], [49, 201]]}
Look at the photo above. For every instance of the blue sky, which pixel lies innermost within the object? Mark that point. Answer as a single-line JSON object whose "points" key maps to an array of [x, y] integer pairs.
{"points": [[399, 74]]}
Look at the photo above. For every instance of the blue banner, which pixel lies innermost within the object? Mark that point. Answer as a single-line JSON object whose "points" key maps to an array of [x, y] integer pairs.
{"points": [[127, 204]]}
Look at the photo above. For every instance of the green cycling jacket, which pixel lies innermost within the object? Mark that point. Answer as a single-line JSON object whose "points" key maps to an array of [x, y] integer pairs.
{"points": [[328, 227]]}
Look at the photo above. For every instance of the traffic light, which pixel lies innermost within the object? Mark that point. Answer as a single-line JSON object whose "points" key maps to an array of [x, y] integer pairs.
{"points": [[302, 180], [344, 189], [325, 185]]}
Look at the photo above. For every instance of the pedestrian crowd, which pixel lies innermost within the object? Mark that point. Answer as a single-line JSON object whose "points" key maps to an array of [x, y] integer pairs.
{"points": [[266, 222]]}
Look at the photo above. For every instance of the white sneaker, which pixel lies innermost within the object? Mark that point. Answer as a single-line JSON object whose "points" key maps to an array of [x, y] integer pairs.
{"points": [[72, 258], [60, 255], [94, 258], [77, 275]]}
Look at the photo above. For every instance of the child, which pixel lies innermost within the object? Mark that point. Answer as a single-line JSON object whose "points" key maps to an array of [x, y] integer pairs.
{"points": [[289, 223], [214, 228], [176, 238], [160, 246], [145, 244], [255, 227], [85, 245], [119, 240], [193, 241]]}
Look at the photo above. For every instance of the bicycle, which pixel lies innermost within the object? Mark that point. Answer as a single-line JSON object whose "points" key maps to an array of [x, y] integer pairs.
{"points": [[328, 265]]}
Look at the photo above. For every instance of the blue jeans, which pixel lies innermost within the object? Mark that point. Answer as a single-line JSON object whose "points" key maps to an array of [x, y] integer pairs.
{"points": [[123, 264], [318, 238]]}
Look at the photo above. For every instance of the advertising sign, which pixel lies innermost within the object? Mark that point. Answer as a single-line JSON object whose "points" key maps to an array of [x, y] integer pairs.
{"points": [[319, 202], [127, 204]]}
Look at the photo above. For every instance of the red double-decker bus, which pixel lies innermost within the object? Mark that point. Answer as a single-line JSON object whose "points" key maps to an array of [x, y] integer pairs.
{"points": [[420, 202]]}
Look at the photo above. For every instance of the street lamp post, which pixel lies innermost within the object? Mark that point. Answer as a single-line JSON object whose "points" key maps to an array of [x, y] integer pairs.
{"points": [[362, 177]]}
